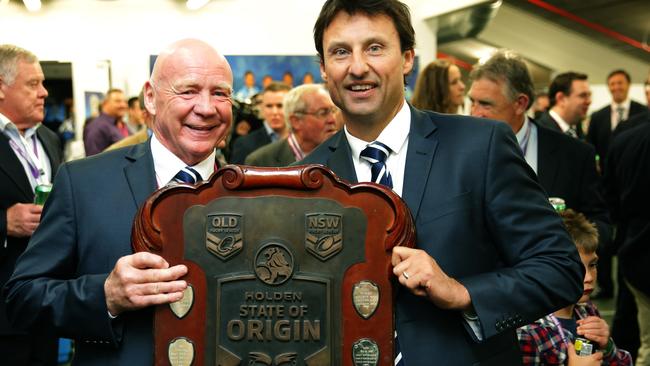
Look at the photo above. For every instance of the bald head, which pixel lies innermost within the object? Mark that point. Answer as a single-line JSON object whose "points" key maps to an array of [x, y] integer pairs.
{"points": [[189, 96]]}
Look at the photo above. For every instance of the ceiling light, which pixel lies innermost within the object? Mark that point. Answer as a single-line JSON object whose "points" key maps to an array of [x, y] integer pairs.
{"points": [[32, 5], [196, 4]]}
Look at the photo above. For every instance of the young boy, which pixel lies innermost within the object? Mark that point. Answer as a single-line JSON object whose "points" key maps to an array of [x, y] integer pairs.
{"points": [[551, 340]]}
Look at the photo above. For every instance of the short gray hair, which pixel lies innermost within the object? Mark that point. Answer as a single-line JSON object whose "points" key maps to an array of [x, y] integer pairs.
{"points": [[10, 55], [293, 102], [508, 67]]}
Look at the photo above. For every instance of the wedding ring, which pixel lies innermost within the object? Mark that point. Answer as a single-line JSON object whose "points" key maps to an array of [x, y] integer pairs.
{"points": [[406, 275]]}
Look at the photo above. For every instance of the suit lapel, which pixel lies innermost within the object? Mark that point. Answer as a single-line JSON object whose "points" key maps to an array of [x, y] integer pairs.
{"points": [[14, 169], [546, 158], [140, 174], [421, 149], [341, 159]]}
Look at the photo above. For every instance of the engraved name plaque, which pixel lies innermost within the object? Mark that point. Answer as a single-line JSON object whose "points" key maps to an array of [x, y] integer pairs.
{"points": [[287, 266]]}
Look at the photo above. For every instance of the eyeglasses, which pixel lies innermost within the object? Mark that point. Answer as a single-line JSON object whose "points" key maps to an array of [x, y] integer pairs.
{"points": [[321, 113]]}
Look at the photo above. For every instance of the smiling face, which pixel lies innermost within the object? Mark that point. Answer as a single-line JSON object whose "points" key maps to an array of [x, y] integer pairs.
{"points": [[189, 95], [23, 101], [364, 68], [619, 87]]}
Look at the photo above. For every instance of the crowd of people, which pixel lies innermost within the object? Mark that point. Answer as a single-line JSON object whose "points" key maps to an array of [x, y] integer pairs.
{"points": [[498, 276]]}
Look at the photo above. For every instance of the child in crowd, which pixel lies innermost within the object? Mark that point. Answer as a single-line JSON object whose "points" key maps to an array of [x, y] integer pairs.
{"points": [[555, 338]]}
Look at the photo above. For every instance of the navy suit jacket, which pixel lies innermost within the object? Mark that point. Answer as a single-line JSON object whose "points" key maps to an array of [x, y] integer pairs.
{"points": [[481, 214], [600, 128], [566, 168], [15, 188], [85, 228]]}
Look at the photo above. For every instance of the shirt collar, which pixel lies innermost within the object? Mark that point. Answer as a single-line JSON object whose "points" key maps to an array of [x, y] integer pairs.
{"points": [[8, 127], [166, 164], [626, 104], [561, 122], [394, 135], [523, 130]]}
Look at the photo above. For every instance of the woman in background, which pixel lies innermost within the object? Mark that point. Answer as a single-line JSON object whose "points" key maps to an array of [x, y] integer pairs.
{"points": [[439, 88]]}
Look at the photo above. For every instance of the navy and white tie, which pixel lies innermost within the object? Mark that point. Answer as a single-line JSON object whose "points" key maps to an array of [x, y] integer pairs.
{"points": [[187, 175], [376, 154]]}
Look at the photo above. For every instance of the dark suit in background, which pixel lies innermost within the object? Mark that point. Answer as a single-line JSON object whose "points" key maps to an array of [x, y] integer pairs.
{"points": [[247, 144], [481, 214], [276, 154], [93, 200], [549, 122], [627, 178], [15, 188], [566, 169], [600, 128]]}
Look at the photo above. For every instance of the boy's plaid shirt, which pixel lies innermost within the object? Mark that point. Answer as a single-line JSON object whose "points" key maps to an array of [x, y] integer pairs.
{"points": [[541, 343]]}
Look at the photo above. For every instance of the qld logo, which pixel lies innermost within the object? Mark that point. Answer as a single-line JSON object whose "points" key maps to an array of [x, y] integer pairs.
{"points": [[223, 236], [323, 235]]}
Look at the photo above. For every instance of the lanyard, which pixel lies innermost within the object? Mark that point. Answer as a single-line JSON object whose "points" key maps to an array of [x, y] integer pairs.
{"points": [[524, 143], [295, 147], [31, 157], [559, 326]]}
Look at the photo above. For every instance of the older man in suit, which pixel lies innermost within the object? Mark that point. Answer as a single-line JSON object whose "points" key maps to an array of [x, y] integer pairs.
{"points": [[79, 273], [491, 254], [309, 111], [502, 89], [30, 155]]}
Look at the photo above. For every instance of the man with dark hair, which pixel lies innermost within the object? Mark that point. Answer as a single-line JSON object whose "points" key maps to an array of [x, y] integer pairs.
{"points": [[566, 167], [29, 156], [79, 273], [135, 118], [486, 232], [273, 128], [109, 126], [569, 100], [606, 120], [246, 92]]}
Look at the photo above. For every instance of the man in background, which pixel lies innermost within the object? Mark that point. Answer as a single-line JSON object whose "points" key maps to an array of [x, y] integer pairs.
{"points": [[569, 98], [109, 126], [608, 119], [79, 274], [273, 128], [309, 111], [29, 156], [135, 120], [502, 89]]}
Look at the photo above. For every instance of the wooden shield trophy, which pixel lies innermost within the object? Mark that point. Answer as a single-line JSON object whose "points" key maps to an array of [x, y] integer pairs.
{"points": [[287, 266]]}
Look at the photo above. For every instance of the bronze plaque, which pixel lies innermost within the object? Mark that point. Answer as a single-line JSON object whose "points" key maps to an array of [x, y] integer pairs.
{"points": [[287, 266], [275, 296]]}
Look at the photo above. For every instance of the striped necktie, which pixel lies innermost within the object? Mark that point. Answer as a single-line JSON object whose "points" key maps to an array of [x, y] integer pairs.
{"points": [[376, 154], [187, 175]]}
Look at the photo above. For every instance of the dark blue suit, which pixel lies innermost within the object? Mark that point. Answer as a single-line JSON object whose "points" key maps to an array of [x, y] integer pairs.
{"points": [[85, 229], [481, 214]]}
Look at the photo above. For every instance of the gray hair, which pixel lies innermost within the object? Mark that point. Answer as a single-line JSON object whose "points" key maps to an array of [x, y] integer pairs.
{"points": [[507, 67], [10, 55], [293, 102]]}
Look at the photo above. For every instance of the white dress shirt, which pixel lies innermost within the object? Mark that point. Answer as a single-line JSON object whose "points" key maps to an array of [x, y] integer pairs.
{"points": [[614, 113], [166, 164], [528, 141], [395, 136]]}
